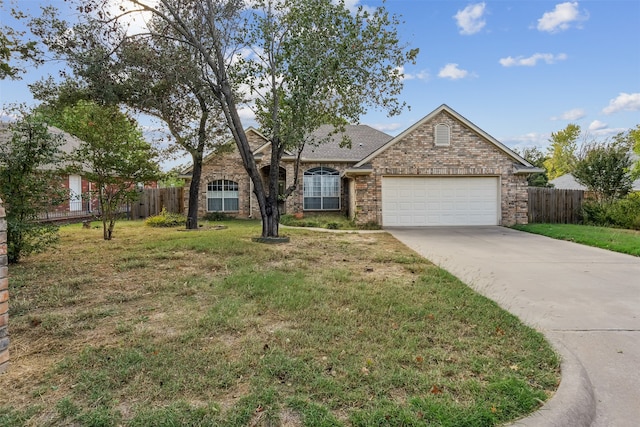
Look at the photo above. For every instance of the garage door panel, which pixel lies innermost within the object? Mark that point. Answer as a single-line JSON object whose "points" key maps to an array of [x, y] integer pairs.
{"points": [[423, 201]]}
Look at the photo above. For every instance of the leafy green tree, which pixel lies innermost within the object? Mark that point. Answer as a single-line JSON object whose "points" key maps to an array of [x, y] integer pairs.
{"points": [[537, 158], [29, 184], [13, 48], [113, 155], [633, 136], [301, 63], [604, 169], [562, 151], [161, 81]]}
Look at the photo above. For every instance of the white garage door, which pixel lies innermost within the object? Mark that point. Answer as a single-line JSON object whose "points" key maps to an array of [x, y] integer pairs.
{"points": [[418, 201]]}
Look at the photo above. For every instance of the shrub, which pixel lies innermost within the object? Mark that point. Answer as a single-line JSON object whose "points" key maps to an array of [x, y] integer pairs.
{"points": [[288, 219], [370, 225], [217, 216], [621, 213], [166, 219]]}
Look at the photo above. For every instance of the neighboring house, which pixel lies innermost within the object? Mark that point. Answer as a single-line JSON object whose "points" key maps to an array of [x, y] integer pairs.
{"points": [[568, 181], [443, 170], [77, 185]]}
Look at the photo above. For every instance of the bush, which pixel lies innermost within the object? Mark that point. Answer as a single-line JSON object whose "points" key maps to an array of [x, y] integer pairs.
{"points": [[621, 213], [216, 216], [370, 225], [166, 219], [333, 221]]}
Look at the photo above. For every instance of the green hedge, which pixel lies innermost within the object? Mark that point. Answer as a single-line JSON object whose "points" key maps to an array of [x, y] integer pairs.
{"points": [[621, 213]]}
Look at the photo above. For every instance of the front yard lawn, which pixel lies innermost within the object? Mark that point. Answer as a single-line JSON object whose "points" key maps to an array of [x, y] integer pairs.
{"points": [[171, 327], [613, 239]]}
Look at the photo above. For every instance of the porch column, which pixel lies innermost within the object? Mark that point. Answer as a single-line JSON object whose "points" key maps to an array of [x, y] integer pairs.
{"points": [[4, 294]]}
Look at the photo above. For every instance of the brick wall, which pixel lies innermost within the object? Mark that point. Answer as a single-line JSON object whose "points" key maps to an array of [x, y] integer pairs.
{"points": [[4, 294], [469, 154], [229, 166]]}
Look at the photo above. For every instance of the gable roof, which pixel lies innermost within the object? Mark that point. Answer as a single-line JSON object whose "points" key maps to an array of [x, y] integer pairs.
{"points": [[568, 182], [527, 167], [364, 141], [185, 173], [69, 142]]}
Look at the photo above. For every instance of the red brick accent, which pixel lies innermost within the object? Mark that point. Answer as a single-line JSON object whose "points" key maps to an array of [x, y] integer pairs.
{"points": [[4, 294]]}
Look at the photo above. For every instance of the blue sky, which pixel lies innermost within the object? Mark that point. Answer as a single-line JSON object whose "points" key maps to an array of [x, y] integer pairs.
{"points": [[517, 69], [523, 69]]}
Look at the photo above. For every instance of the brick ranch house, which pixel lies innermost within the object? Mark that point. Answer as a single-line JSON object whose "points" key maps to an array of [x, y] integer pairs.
{"points": [[79, 205], [443, 170], [76, 185]]}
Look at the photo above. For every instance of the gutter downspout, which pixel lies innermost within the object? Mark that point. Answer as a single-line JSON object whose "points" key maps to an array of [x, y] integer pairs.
{"points": [[250, 199]]}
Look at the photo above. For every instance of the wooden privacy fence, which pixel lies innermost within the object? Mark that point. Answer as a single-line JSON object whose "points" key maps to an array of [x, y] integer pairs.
{"points": [[551, 205], [152, 200]]}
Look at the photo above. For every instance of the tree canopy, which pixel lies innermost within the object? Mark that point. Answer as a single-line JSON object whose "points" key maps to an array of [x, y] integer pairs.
{"points": [[14, 49], [297, 63], [29, 185], [537, 158], [604, 169], [562, 151], [113, 155], [634, 140]]}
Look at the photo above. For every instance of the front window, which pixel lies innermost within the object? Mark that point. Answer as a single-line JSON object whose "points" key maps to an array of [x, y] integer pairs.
{"points": [[321, 189], [222, 196]]}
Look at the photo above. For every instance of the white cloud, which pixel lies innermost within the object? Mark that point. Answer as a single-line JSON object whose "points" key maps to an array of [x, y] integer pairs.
{"points": [[451, 71], [575, 114], [602, 130], [532, 139], [248, 116], [561, 17], [420, 75], [597, 125], [353, 6], [624, 101], [135, 22], [532, 60], [390, 128], [470, 19]]}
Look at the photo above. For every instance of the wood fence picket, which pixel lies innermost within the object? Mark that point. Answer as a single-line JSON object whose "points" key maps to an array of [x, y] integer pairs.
{"points": [[552, 205]]}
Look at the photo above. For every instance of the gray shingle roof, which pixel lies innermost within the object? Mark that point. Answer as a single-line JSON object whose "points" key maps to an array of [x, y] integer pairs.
{"points": [[69, 142], [568, 182], [364, 141]]}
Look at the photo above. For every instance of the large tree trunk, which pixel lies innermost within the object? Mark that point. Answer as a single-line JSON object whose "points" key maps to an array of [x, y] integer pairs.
{"points": [[194, 192], [268, 205], [271, 219]]}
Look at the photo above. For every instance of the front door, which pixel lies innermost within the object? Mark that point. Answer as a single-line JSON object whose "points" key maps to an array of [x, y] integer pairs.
{"points": [[75, 193]]}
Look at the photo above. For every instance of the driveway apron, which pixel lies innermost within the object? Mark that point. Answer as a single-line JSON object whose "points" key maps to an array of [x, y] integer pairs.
{"points": [[585, 300]]}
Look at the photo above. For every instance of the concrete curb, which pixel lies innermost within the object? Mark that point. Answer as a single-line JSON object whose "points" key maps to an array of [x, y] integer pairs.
{"points": [[574, 403]]}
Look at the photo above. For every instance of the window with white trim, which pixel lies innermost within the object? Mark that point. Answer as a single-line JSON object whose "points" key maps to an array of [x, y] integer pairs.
{"points": [[443, 135], [321, 189], [222, 196]]}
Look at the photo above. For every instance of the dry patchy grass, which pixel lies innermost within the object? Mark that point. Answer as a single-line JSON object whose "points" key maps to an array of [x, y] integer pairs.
{"points": [[169, 327]]}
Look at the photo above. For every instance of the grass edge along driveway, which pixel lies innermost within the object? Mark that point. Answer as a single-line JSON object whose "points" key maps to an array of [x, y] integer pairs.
{"points": [[612, 239], [173, 327]]}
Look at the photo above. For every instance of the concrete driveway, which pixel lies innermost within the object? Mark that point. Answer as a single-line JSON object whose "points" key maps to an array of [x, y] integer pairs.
{"points": [[585, 300]]}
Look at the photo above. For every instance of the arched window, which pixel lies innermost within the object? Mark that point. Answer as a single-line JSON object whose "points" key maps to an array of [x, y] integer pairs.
{"points": [[321, 189], [443, 134], [222, 196]]}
